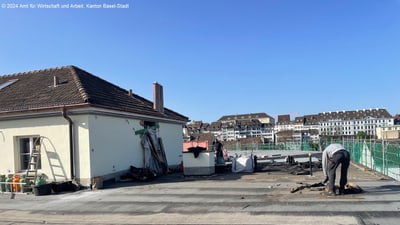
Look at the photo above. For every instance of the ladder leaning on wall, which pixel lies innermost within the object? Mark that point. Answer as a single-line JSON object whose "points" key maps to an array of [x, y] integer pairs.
{"points": [[34, 161]]}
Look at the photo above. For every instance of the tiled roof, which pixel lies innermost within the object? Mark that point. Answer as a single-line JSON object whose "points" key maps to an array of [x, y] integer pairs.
{"points": [[354, 114], [299, 120], [311, 119], [215, 126], [35, 90], [284, 119], [204, 137], [197, 126], [250, 123], [244, 116]]}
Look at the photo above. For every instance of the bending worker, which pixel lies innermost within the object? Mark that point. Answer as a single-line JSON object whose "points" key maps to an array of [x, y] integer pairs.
{"points": [[332, 156], [219, 152]]}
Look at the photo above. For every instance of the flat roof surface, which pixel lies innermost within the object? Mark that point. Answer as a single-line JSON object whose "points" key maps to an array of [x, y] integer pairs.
{"points": [[263, 197]]}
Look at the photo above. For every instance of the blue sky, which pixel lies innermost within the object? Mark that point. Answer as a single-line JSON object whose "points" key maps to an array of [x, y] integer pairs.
{"points": [[220, 57]]}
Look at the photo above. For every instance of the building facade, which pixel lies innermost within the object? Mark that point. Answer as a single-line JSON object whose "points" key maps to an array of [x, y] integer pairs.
{"points": [[371, 122], [240, 126], [84, 126], [350, 123]]}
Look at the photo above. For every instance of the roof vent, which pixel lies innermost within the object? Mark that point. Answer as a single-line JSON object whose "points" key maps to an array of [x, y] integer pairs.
{"points": [[55, 81], [130, 92]]}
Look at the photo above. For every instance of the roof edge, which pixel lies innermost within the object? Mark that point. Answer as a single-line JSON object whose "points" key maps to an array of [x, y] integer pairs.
{"points": [[78, 83]]}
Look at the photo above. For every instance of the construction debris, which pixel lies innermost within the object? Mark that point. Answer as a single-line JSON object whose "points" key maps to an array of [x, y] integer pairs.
{"points": [[350, 188], [314, 187], [141, 174]]}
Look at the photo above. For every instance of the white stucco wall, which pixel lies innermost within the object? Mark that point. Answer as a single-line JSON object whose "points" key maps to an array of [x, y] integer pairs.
{"points": [[54, 150], [113, 146], [172, 139], [104, 145], [81, 147]]}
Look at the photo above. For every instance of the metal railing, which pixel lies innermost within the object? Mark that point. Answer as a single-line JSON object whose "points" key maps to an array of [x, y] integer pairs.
{"points": [[13, 187], [304, 146]]}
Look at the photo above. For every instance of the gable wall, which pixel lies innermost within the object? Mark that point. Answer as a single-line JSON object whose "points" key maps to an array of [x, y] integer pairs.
{"points": [[104, 145], [172, 139], [114, 147]]}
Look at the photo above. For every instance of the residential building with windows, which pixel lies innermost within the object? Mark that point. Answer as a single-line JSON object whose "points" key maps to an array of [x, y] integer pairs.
{"points": [[85, 126], [349, 123], [302, 128], [388, 132], [239, 126], [307, 126]]}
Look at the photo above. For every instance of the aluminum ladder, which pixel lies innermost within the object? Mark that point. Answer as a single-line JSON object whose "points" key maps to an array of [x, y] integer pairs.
{"points": [[34, 160]]}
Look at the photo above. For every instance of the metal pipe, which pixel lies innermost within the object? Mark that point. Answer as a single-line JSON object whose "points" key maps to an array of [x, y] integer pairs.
{"points": [[309, 156], [71, 142], [2, 134]]}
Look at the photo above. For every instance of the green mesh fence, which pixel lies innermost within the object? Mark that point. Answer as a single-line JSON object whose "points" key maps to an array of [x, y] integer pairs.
{"points": [[377, 155], [381, 157]]}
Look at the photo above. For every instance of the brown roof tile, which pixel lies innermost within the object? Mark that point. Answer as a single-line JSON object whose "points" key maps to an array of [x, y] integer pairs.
{"points": [[354, 114], [35, 90], [244, 116], [284, 119]]}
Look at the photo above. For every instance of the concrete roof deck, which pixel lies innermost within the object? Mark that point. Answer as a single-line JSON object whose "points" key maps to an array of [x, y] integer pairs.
{"points": [[229, 198]]}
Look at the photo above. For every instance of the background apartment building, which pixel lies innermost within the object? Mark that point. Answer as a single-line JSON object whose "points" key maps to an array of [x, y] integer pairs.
{"points": [[371, 122], [350, 123], [233, 127]]}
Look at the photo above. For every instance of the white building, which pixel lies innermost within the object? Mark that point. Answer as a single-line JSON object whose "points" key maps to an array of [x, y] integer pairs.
{"points": [[84, 125], [233, 127], [349, 123], [388, 132]]}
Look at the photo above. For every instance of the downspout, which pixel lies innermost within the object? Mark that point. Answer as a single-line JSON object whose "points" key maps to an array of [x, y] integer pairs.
{"points": [[71, 142], [2, 134]]}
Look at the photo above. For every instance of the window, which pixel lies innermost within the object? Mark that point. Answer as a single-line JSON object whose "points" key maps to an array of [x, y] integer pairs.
{"points": [[26, 144], [7, 83]]}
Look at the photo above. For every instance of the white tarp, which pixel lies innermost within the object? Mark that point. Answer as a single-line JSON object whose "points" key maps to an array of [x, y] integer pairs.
{"points": [[243, 164]]}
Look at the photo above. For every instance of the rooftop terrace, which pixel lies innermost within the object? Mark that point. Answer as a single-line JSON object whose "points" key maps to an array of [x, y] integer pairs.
{"points": [[263, 197]]}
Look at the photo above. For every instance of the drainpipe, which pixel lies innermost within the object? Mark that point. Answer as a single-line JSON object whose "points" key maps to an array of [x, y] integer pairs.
{"points": [[71, 141], [2, 134]]}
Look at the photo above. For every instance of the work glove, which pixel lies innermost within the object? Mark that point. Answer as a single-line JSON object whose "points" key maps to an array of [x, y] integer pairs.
{"points": [[326, 180]]}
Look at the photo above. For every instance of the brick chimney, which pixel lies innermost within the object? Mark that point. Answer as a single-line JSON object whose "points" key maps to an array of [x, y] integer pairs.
{"points": [[158, 96]]}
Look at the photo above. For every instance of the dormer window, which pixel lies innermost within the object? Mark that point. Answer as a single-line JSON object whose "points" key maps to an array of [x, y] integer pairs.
{"points": [[7, 83]]}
